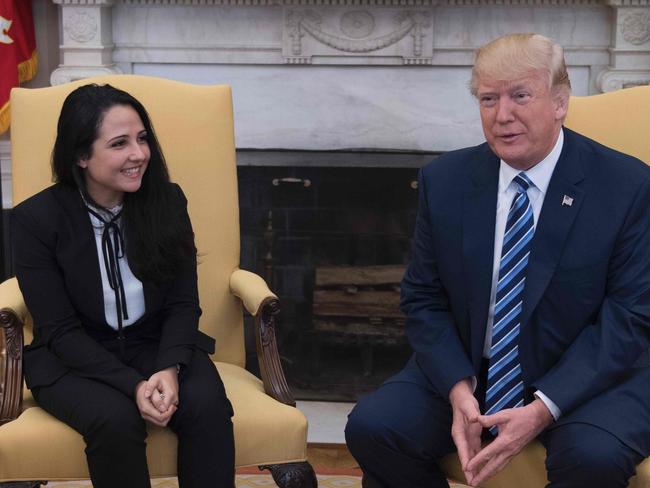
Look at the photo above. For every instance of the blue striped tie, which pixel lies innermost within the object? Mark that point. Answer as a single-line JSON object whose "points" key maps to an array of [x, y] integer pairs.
{"points": [[505, 388]]}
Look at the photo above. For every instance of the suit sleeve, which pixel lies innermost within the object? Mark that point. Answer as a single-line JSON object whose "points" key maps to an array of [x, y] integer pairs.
{"points": [[607, 349], [55, 320], [430, 326], [181, 309]]}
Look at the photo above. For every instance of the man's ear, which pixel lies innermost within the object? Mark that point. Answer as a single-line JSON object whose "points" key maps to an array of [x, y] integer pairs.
{"points": [[561, 104]]}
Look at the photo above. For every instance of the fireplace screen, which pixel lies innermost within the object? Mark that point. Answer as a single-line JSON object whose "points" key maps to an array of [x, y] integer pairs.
{"points": [[332, 243]]}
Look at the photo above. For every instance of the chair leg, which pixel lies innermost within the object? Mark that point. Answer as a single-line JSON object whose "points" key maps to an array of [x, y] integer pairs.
{"points": [[22, 484], [292, 475]]}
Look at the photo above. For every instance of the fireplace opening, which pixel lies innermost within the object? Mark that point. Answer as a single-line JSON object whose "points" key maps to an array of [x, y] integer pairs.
{"points": [[332, 242]]}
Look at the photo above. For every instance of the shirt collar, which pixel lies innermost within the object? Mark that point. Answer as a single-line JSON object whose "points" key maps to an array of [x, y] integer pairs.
{"points": [[540, 174]]}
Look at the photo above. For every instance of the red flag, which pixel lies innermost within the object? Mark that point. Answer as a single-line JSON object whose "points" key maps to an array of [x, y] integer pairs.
{"points": [[18, 59]]}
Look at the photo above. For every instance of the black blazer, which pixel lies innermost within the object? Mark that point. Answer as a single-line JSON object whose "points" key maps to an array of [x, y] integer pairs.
{"points": [[585, 330], [57, 267]]}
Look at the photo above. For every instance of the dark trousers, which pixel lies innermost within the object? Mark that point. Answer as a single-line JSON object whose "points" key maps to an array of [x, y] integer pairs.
{"points": [[399, 431], [115, 433]]}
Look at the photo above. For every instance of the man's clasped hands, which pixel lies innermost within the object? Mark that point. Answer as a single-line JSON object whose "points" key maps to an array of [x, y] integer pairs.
{"points": [[517, 427], [157, 398]]}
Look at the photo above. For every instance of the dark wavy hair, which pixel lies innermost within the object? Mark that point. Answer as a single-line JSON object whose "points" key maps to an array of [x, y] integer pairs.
{"points": [[159, 237]]}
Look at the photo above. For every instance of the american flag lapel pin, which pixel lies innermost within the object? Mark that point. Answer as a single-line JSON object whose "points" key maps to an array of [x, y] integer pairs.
{"points": [[567, 200]]}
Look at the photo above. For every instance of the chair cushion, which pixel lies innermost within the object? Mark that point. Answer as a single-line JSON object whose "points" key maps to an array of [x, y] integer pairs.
{"points": [[527, 469], [36, 446]]}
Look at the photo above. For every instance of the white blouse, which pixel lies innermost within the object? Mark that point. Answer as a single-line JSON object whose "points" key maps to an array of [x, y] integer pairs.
{"points": [[133, 290]]}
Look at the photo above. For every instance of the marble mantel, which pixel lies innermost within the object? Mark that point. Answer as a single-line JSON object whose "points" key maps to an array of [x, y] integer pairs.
{"points": [[347, 74]]}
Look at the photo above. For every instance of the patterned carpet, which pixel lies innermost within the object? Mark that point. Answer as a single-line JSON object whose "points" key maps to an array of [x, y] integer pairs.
{"points": [[335, 468], [244, 481]]}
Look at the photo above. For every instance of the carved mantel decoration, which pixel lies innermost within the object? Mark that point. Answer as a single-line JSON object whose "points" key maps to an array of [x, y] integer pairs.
{"points": [[81, 26], [404, 35], [636, 27], [87, 42], [336, 32], [340, 74]]}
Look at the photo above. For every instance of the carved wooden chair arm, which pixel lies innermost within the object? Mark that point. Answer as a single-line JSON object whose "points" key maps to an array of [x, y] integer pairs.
{"points": [[264, 306], [13, 314]]}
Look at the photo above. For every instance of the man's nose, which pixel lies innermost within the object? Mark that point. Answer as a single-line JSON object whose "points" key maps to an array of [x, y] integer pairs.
{"points": [[505, 112]]}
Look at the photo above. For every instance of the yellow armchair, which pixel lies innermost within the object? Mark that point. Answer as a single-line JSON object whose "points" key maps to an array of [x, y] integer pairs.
{"points": [[620, 120], [195, 127]]}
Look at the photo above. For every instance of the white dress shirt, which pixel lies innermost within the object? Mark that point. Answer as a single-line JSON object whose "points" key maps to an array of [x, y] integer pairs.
{"points": [[133, 290], [540, 176]]}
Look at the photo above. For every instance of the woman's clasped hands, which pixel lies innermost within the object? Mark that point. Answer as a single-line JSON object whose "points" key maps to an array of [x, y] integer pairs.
{"points": [[157, 398]]}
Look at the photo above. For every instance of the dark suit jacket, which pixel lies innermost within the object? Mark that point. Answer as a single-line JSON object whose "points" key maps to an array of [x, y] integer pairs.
{"points": [[57, 266], [585, 329]]}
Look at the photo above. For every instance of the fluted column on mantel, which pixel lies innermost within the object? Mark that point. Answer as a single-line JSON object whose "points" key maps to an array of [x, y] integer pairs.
{"points": [[86, 40], [630, 52]]}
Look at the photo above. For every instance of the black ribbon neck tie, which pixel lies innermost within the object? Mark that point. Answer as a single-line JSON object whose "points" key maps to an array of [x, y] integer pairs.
{"points": [[112, 250]]}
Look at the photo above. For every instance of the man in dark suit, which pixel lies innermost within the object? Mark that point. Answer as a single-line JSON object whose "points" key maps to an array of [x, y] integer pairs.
{"points": [[527, 297]]}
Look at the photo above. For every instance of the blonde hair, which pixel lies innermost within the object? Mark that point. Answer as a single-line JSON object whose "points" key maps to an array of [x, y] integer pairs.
{"points": [[515, 55]]}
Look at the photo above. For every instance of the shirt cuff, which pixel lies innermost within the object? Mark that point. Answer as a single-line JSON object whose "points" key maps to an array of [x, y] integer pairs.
{"points": [[550, 404]]}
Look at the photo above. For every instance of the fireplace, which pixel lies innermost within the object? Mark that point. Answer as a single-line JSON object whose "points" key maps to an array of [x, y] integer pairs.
{"points": [[336, 224]]}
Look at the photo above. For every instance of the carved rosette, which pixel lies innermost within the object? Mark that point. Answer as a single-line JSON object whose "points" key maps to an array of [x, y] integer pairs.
{"points": [[384, 33], [81, 26], [635, 28], [357, 24]]}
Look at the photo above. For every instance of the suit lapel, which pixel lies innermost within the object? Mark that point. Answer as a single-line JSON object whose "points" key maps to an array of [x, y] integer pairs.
{"points": [[555, 222], [85, 267], [479, 216]]}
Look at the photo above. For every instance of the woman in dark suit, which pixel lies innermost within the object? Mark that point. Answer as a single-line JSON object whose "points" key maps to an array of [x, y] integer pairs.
{"points": [[106, 261]]}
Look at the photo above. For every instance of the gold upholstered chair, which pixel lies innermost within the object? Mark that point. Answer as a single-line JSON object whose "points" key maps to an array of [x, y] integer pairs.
{"points": [[620, 120], [195, 128]]}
